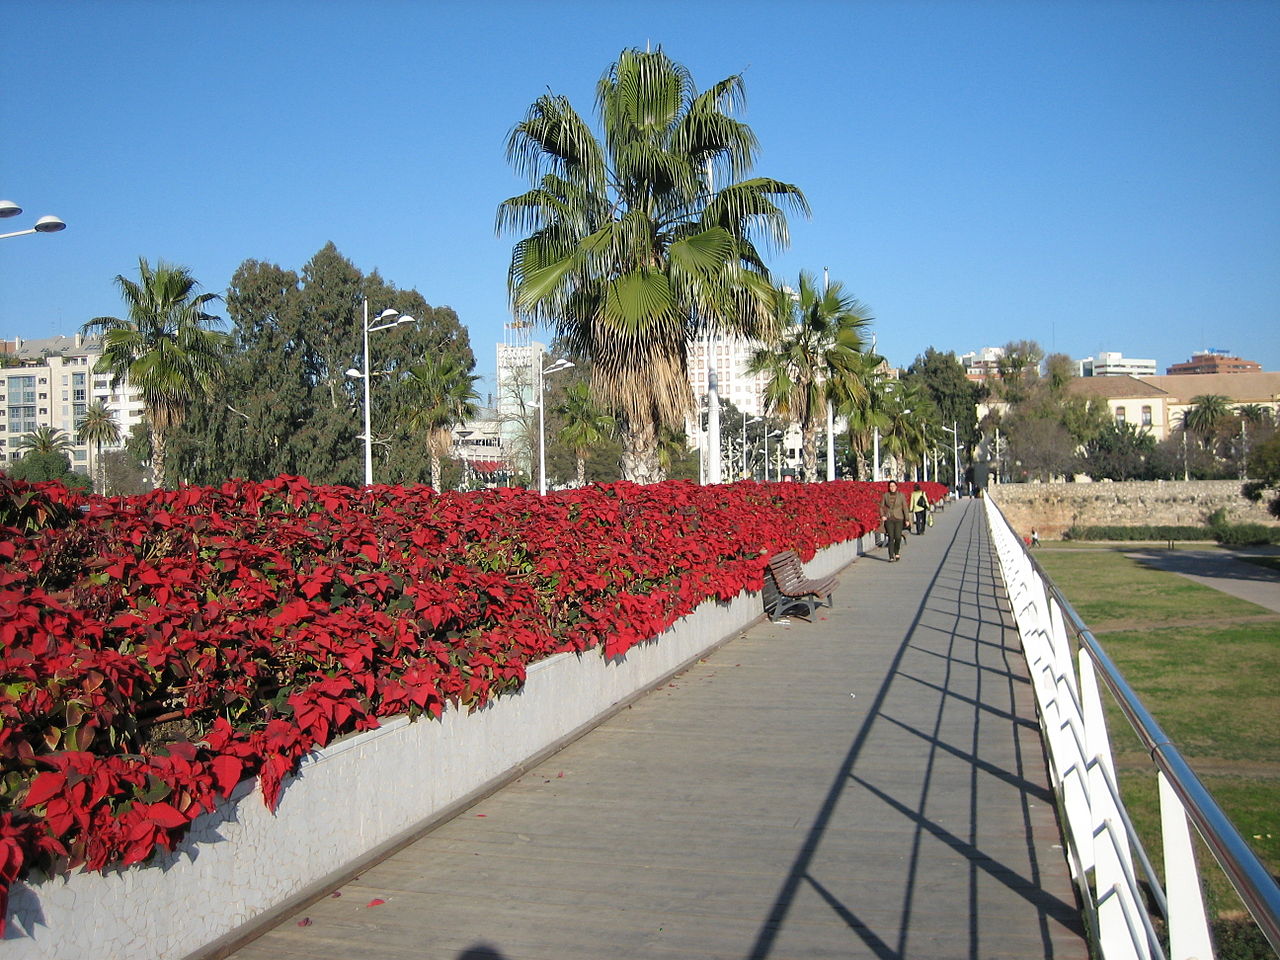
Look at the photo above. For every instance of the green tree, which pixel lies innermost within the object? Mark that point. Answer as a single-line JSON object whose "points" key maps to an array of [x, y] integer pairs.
{"points": [[444, 396], [954, 397], [165, 347], [639, 241], [1019, 369], [1120, 451], [46, 440], [584, 424], [1264, 464], [98, 426], [1208, 413], [815, 361], [287, 406], [44, 465]]}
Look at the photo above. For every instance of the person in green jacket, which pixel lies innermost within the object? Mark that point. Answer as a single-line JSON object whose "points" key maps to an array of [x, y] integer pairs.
{"points": [[919, 508]]}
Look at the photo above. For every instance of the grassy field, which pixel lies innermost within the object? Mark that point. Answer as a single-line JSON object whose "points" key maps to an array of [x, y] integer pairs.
{"points": [[1207, 666]]}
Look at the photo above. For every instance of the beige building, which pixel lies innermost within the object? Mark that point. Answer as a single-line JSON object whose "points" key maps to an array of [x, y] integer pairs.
{"points": [[1158, 403], [49, 383]]}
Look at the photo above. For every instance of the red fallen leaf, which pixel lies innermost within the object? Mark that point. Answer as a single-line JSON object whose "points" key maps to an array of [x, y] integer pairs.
{"points": [[336, 893], [376, 902], [304, 922], [481, 814], [560, 774]]}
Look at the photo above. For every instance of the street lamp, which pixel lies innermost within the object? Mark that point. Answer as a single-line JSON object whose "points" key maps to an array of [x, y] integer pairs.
{"points": [[561, 364], [954, 430], [745, 424], [46, 224], [384, 321]]}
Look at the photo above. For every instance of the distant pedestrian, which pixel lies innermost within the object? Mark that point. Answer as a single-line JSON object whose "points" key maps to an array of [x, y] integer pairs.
{"points": [[894, 514], [1035, 537], [919, 508]]}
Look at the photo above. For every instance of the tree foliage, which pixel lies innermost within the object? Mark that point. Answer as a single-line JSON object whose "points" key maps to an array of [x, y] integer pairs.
{"points": [[287, 406], [167, 348], [638, 240]]}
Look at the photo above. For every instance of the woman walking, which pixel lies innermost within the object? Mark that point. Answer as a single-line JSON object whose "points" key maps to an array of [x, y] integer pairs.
{"points": [[919, 506], [894, 514]]}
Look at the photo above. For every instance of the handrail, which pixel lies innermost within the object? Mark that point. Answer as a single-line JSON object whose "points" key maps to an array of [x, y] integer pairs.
{"points": [[1250, 877]]}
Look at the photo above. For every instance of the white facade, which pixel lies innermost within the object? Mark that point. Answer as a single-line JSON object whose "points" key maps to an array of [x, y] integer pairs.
{"points": [[730, 356], [49, 383], [1114, 364], [982, 364]]}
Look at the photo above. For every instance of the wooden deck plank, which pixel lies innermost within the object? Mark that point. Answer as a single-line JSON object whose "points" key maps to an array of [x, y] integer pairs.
{"points": [[870, 784]]}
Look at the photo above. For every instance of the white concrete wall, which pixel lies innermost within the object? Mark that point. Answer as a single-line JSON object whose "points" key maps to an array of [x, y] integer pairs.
{"points": [[348, 802]]}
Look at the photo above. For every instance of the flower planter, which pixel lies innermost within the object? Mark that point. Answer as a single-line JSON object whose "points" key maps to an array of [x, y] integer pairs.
{"points": [[350, 804]]}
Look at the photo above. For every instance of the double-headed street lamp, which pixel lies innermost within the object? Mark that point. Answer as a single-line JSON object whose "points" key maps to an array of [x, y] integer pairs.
{"points": [[44, 225], [561, 364], [384, 321]]}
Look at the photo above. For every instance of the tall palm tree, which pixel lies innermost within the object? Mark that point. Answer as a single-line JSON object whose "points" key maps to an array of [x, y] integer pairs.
{"points": [[45, 440], [98, 426], [1207, 413], [165, 347], [638, 242], [444, 396], [816, 361], [585, 425], [865, 413]]}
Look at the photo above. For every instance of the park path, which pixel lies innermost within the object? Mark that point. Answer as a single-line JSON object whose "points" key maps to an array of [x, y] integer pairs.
{"points": [[870, 784]]}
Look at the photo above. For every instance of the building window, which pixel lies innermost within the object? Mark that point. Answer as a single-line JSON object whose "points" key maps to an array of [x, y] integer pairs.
{"points": [[1146, 416], [1119, 416]]}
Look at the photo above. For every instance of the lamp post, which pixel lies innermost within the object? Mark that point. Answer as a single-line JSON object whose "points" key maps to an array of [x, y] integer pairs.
{"points": [[745, 424], [48, 224], [561, 364], [954, 430], [384, 321]]}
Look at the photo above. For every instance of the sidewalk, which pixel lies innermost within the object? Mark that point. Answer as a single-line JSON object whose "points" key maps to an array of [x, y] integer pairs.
{"points": [[867, 785]]}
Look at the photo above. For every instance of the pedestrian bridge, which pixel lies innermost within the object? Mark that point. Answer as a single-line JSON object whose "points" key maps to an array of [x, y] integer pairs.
{"points": [[871, 784]]}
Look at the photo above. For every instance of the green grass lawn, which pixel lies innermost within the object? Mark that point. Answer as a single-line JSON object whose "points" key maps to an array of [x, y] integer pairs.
{"points": [[1207, 666]]}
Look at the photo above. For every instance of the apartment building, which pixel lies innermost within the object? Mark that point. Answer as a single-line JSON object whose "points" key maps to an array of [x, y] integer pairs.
{"points": [[1214, 361], [1114, 364], [50, 382]]}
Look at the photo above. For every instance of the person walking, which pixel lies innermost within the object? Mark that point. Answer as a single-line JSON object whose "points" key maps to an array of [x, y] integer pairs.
{"points": [[894, 514], [919, 507]]}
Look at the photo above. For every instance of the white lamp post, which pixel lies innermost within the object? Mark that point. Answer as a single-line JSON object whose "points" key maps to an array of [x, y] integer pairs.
{"points": [[745, 423], [561, 364], [44, 225], [384, 321]]}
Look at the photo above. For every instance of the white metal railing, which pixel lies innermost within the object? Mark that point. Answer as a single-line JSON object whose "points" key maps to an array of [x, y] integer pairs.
{"points": [[1102, 844]]}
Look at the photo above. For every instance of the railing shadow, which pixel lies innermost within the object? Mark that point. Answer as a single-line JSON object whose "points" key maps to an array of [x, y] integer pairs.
{"points": [[964, 595]]}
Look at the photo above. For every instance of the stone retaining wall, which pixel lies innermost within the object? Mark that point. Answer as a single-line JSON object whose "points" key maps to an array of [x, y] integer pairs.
{"points": [[1052, 508], [349, 804]]}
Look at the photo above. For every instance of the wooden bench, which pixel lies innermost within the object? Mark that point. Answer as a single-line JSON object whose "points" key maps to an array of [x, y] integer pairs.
{"points": [[786, 588]]}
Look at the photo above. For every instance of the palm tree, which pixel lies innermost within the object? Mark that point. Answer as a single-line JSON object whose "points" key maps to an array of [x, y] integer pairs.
{"points": [[444, 396], [165, 348], [865, 413], [630, 251], [46, 440], [98, 426], [816, 361], [584, 424], [1207, 413]]}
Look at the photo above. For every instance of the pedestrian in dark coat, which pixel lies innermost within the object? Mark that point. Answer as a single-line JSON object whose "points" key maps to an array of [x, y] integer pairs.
{"points": [[894, 514]]}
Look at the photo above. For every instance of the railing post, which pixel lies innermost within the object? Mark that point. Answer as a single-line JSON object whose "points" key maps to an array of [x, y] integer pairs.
{"points": [[1188, 925]]}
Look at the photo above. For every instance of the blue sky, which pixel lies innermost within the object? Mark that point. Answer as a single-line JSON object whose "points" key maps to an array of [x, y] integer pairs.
{"points": [[1091, 175]]}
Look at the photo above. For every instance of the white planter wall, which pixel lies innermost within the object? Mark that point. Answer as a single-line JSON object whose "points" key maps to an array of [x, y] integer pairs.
{"points": [[348, 804]]}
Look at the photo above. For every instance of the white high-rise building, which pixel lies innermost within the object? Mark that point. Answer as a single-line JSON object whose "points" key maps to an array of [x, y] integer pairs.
{"points": [[49, 383], [730, 356], [1114, 364]]}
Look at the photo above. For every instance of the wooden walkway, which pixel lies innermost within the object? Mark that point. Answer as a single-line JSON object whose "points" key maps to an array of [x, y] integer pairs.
{"points": [[867, 785]]}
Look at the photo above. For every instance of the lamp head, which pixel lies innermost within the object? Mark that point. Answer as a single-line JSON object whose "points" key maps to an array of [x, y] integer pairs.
{"points": [[9, 209], [354, 373], [49, 225]]}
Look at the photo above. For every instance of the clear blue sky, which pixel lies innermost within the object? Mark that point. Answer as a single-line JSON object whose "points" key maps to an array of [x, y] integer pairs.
{"points": [[1091, 175]]}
